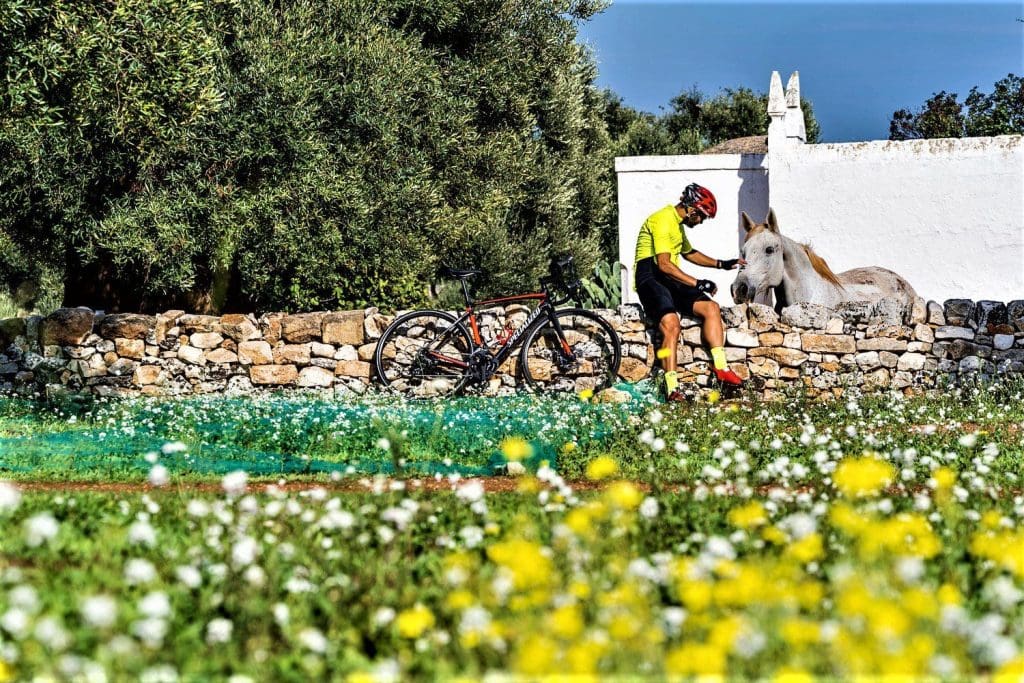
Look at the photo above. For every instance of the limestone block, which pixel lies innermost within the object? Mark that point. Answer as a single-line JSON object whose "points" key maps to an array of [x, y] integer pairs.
{"points": [[834, 326], [789, 373], [743, 338], [761, 318], [191, 324], [888, 359], [902, 379], [734, 354], [958, 349], [315, 377], [366, 351], [54, 351], [684, 354], [971, 364], [792, 358], [126, 326], [877, 379], [911, 361], [791, 340], [286, 354], [94, 367], [191, 354], [773, 339], [827, 343], [79, 352], [1002, 341], [989, 314], [11, 329], [855, 312], [239, 327], [221, 356], [631, 313], [700, 354], [109, 357], [954, 332], [273, 374], [889, 311], [918, 311], [122, 366], [763, 367], [66, 327], [924, 333], [1014, 314], [936, 314], [374, 325], [255, 353], [886, 330], [355, 368], [345, 327], [867, 360], [686, 322], [270, 327], [829, 366], [919, 347], [806, 315], [633, 369], [205, 340], [881, 344], [321, 350], [691, 336], [958, 311], [130, 348], [735, 316], [347, 352], [304, 327]]}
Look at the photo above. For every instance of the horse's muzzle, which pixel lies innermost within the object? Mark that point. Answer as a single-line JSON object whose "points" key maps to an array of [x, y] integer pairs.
{"points": [[740, 292]]}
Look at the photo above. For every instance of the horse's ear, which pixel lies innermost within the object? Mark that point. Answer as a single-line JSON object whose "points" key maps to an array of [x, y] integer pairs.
{"points": [[773, 223], [748, 223]]}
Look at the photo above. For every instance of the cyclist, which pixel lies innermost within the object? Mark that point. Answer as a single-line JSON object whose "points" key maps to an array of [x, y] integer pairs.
{"points": [[666, 291]]}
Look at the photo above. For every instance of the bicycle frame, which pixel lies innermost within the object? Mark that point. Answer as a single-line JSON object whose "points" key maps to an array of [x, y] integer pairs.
{"points": [[508, 346]]}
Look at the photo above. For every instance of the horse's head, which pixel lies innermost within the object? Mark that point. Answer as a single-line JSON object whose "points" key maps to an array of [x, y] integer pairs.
{"points": [[762, 250]]}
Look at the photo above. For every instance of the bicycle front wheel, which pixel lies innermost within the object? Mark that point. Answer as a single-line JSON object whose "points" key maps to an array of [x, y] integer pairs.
{"points": [[424, 354], [581, 352]]}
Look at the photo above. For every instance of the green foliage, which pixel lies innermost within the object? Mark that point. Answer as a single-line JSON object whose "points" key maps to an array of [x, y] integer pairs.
{"points": [[239, 154], [943, 116], [603, 289]]}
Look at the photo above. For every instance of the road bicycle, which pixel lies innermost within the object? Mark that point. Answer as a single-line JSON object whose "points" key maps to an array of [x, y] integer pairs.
{"points": [[432, 353]]}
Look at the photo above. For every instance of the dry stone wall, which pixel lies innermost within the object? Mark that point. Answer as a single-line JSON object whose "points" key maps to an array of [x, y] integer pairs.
{"points": [[824, 351]]}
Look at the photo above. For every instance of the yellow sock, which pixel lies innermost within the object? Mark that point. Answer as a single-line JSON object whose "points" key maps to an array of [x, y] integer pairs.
{"points": [[718, 356], [671, 381]]}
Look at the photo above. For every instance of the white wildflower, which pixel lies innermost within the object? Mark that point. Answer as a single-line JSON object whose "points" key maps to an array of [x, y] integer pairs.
{"points": [[649, 508], [155, 605], [142, 533], [139, 571], [189, 576], [312, 639], [158, 475], [219, 631], [10, 497], [234, 483], [99, 611], [40, 528]]}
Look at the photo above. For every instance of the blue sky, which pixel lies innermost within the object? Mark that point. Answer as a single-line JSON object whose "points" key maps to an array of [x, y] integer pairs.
{"points": [[858, 61]]}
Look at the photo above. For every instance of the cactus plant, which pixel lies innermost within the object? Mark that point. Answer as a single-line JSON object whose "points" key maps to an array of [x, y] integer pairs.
{"points": [[603, 289]]}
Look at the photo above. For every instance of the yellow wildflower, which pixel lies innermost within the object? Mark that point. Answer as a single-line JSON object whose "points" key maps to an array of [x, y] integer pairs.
{"points": [[568, 447], [601, 467], [694, 658], [750, 515], [774, 534], [949, 595], [413, 622], [857, 477], [991, 519], [586, 394], [566, 622], [354, 677], [1010, 672], [944, 478], [807, 549], [625, 495], [714, 396], [6, 673], [800, 632], [536, 655], [792, 675], [529, 566], [516, 448], [459, 599]]}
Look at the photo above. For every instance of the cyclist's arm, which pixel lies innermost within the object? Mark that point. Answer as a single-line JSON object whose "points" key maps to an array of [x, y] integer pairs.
{"points": [[700, 259], [665, 265]]}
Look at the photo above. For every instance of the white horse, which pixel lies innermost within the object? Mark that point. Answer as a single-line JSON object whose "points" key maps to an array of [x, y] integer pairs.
{"points": [[796, 274]]}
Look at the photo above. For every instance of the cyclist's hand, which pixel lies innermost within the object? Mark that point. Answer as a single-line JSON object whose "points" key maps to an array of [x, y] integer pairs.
{"points": [[729, 264], [707, 287]]}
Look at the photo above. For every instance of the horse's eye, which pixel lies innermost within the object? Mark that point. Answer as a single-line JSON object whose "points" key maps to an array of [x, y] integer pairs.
{"points": [[769, 250]]}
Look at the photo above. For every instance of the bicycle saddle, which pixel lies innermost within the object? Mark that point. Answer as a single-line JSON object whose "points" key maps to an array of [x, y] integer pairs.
{"points": [[459, 273]]}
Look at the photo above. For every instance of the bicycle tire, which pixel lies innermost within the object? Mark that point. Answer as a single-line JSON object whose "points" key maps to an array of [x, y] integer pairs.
{"points": [[596, 350], [402, 366]]}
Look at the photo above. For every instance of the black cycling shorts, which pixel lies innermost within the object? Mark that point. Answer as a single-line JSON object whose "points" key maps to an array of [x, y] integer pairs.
{"points": [[660, 294]]}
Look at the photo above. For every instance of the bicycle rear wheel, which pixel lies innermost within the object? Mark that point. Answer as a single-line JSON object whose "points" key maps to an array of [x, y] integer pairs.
{"points": [[588, 360], [423, 354]]}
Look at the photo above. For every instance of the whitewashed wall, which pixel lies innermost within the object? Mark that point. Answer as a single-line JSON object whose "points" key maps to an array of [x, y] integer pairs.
{"points": [[946, 214], [646, 184]]}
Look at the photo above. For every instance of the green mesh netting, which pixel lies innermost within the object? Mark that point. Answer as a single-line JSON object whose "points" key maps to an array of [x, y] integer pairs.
{"points": [[289, 434]]}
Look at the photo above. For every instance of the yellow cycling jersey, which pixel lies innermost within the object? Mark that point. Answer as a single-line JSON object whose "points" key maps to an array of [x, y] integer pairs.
{"points": [[662, 233]]}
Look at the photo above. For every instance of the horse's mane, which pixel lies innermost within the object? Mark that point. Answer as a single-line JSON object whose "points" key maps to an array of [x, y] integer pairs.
{"points": [[820, 267]]}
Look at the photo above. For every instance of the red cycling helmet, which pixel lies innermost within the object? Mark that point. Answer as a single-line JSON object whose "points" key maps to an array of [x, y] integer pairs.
{"points": [[701, 199]]}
